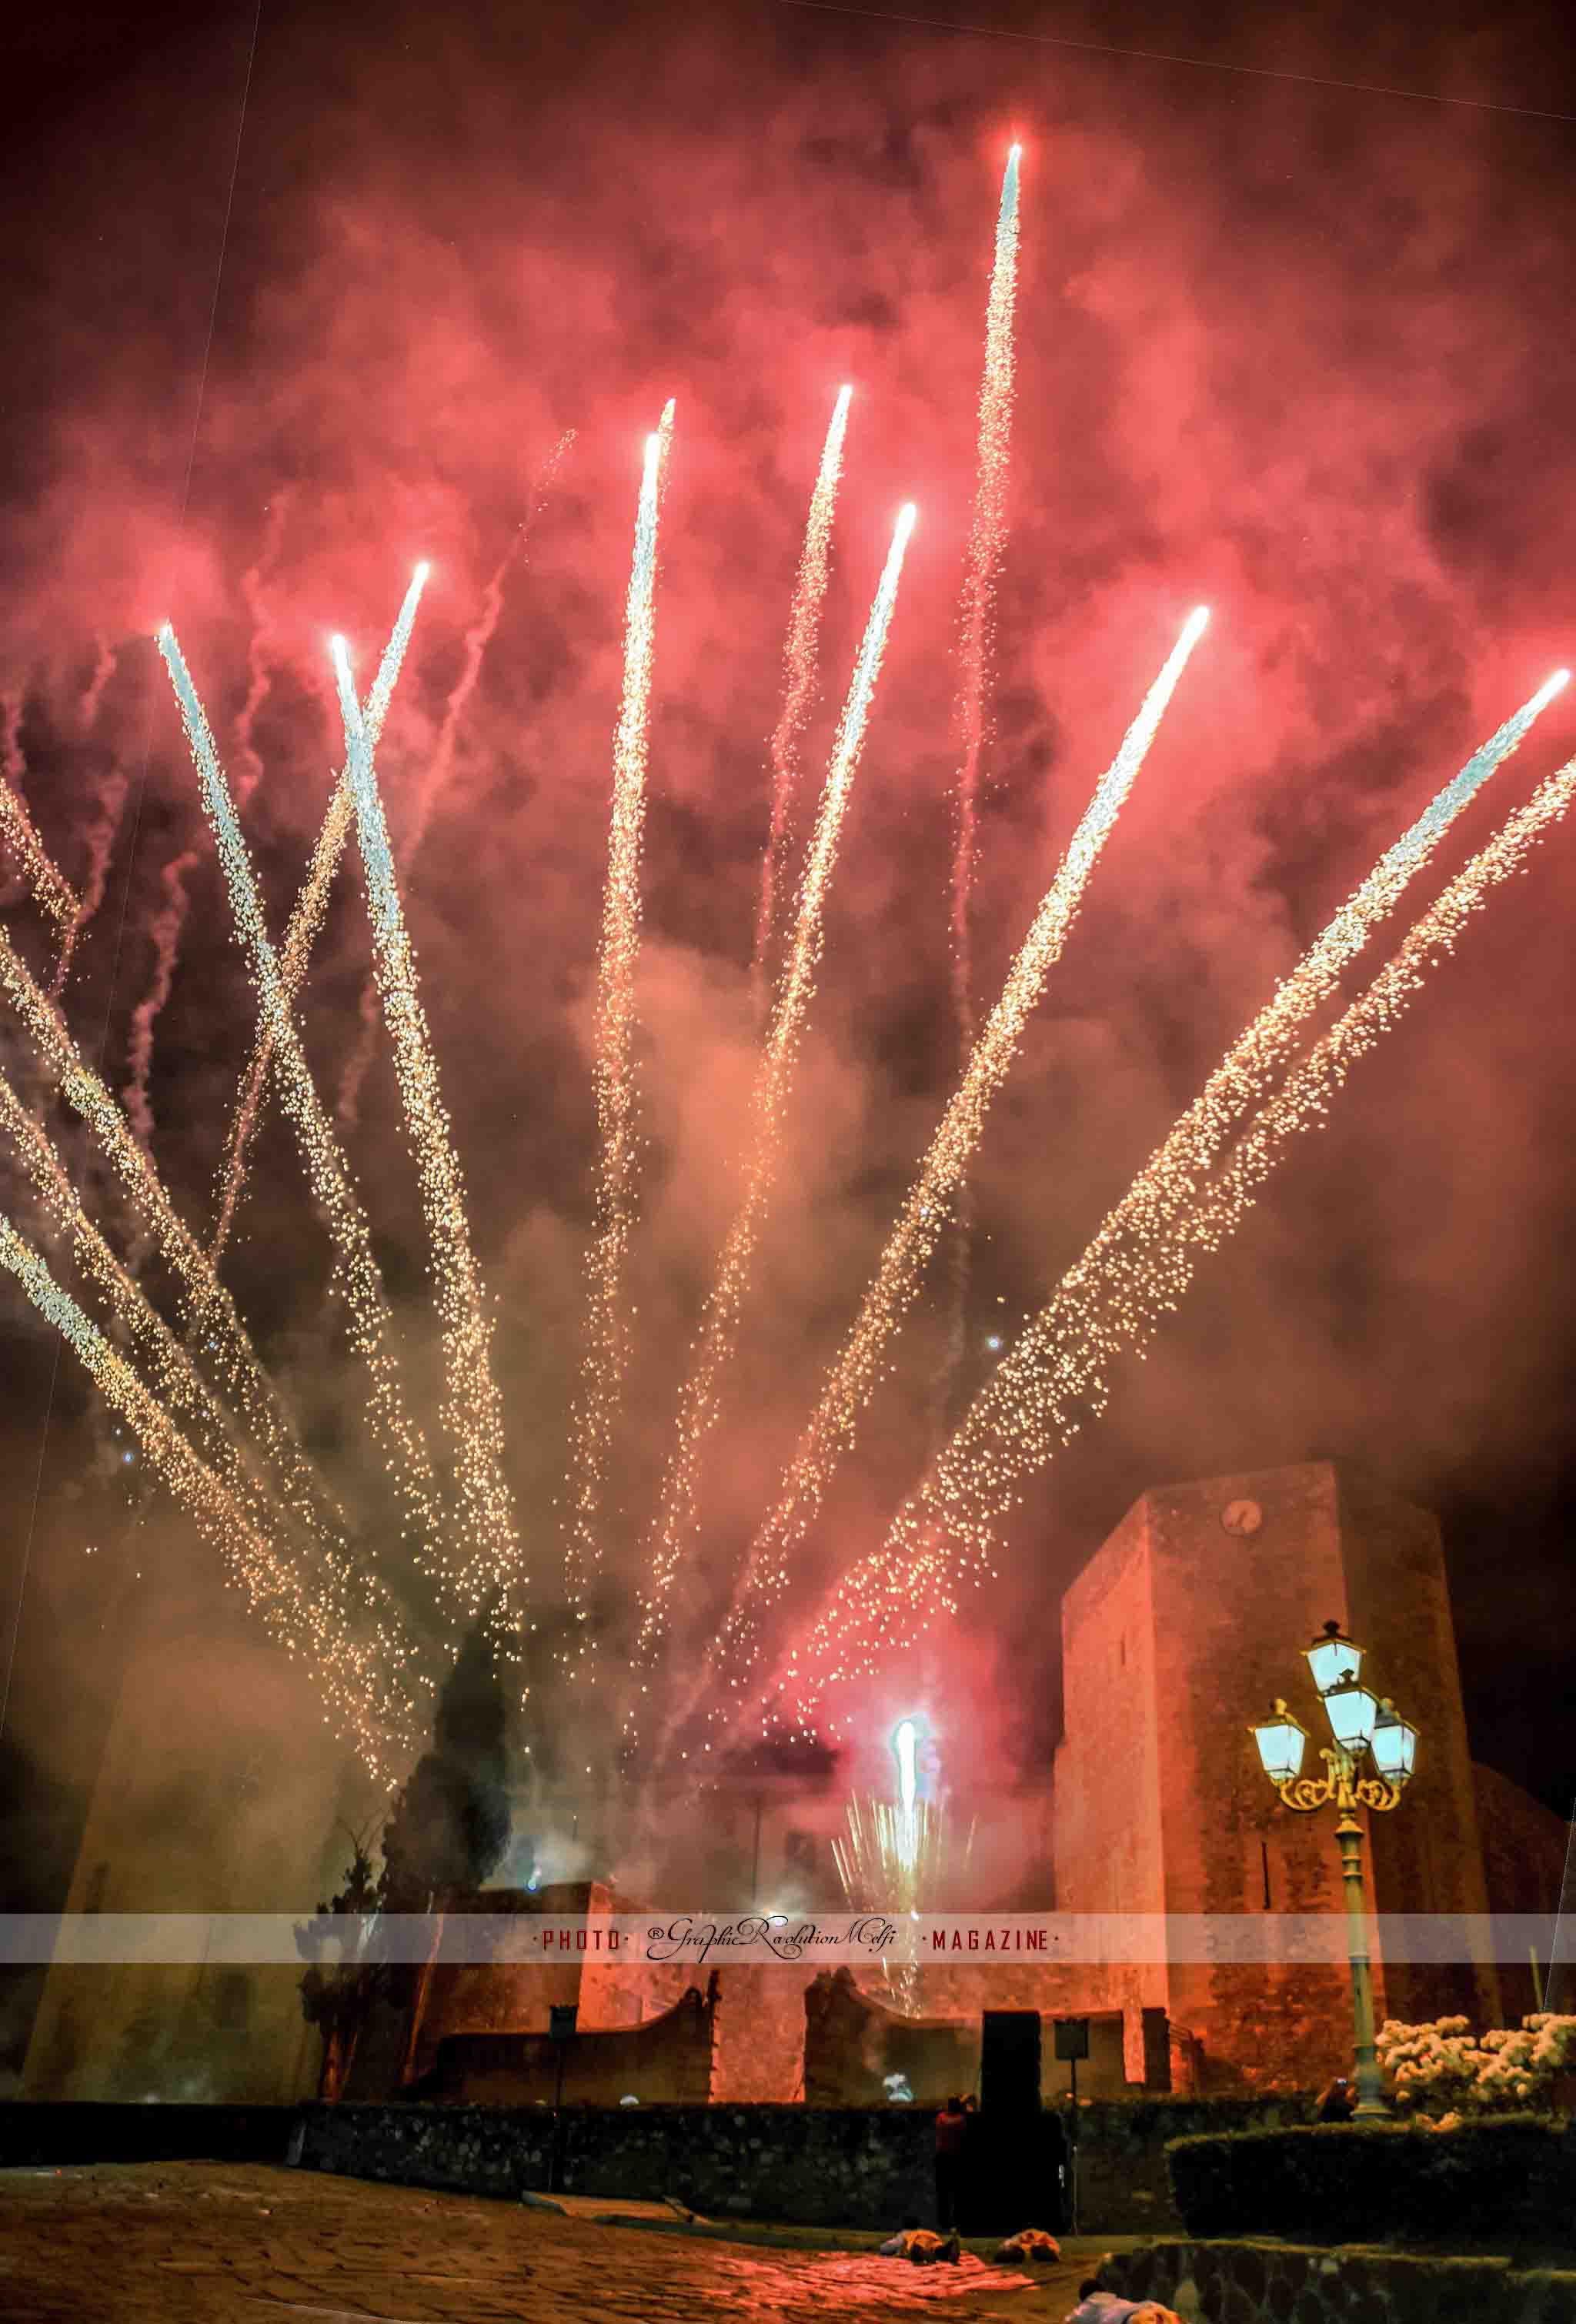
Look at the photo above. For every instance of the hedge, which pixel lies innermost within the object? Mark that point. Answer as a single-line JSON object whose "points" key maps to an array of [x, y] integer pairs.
{"points": [[1511, 2175]]}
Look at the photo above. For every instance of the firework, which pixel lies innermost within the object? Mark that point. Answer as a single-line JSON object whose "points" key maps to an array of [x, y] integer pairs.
{"points": [[932, 1199], [50, 892], [356, 1269], [798, 678], [306, 921], [605, 1357], [976, 621], [893, 1859], [676, 1522], [350, 1672], [472, 1410], [1053, 1378]]}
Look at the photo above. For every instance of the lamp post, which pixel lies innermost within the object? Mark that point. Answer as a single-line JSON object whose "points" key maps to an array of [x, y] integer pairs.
{"points": [[1364, 1726]]}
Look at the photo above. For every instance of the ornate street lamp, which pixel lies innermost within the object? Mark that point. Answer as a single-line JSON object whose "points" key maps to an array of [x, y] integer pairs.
{"points": [[1366, 1727]]}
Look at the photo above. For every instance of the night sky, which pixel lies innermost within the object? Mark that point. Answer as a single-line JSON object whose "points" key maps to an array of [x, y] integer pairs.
{"points": [[284, 319]]}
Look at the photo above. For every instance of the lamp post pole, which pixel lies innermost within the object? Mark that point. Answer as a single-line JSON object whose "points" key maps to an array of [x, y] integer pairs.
{"points": [[1370, 2085], [1361, 1724]]}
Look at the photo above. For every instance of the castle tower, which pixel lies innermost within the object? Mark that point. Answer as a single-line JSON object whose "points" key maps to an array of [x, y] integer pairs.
{"points": [[1190, 1618]]}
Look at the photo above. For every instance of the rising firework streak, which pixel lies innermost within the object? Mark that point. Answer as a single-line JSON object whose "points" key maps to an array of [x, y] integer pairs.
{"points": [[976, 625], [491, 1565], [356, 1268], [799, 679], [306, 921], [605, 1357]]}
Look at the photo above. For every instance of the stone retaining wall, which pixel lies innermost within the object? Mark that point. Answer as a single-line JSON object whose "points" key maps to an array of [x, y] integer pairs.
{"points": [[1271, 2282], [822, 2166]]}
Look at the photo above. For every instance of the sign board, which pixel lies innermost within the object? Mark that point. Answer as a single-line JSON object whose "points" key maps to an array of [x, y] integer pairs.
{"points": [[1071, 2038], [561, 2018]]}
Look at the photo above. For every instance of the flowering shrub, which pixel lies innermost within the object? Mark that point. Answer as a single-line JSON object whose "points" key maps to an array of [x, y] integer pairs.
{"points": [[1446, 2071]]}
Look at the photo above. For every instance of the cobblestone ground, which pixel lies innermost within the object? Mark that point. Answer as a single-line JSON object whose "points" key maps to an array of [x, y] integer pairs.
{"points": [[215, 2244]]}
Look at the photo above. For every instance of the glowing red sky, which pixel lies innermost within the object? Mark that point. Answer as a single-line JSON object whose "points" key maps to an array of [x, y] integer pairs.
{"points": [[1299, 354]]}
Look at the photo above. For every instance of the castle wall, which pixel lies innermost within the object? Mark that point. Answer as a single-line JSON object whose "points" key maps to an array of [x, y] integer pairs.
{"points": [[1232, 1614], [1108, 1840]]}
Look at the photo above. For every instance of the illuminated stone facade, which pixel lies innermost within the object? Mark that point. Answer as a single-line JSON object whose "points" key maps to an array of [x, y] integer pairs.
{"points": [[1178, 1632]]}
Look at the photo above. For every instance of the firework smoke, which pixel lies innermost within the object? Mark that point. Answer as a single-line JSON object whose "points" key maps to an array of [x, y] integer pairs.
{"points": [[606, 1348], [798, 681], [678, 1519], [104, 664], [350, 1672], [102, 835], [933, 1199], [1143, 1259], [491, 1561], [166, 932], [259, 655]]}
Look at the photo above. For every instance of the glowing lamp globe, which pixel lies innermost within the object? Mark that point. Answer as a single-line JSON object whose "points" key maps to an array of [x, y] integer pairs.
{"points": [[1280, 1739], [1353, 1712], [1395, 1745], [1333, 1659]]}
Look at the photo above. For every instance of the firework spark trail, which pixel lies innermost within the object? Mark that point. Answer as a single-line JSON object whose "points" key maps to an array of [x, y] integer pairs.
{"points": [[50, 892], [305, 925], [223, 1334], [166, 932], [477, 639], [473, 1409], [363, 1701], [678, 1520], [896, 1856], [932, 1199], [976, 622], [356, 1270], [259, 659], [798, 681], [1054, 1377], [605, 1357]]}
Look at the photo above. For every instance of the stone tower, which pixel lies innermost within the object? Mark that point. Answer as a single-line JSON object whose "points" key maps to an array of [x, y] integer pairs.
{"points": [[1188, 1620]]}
